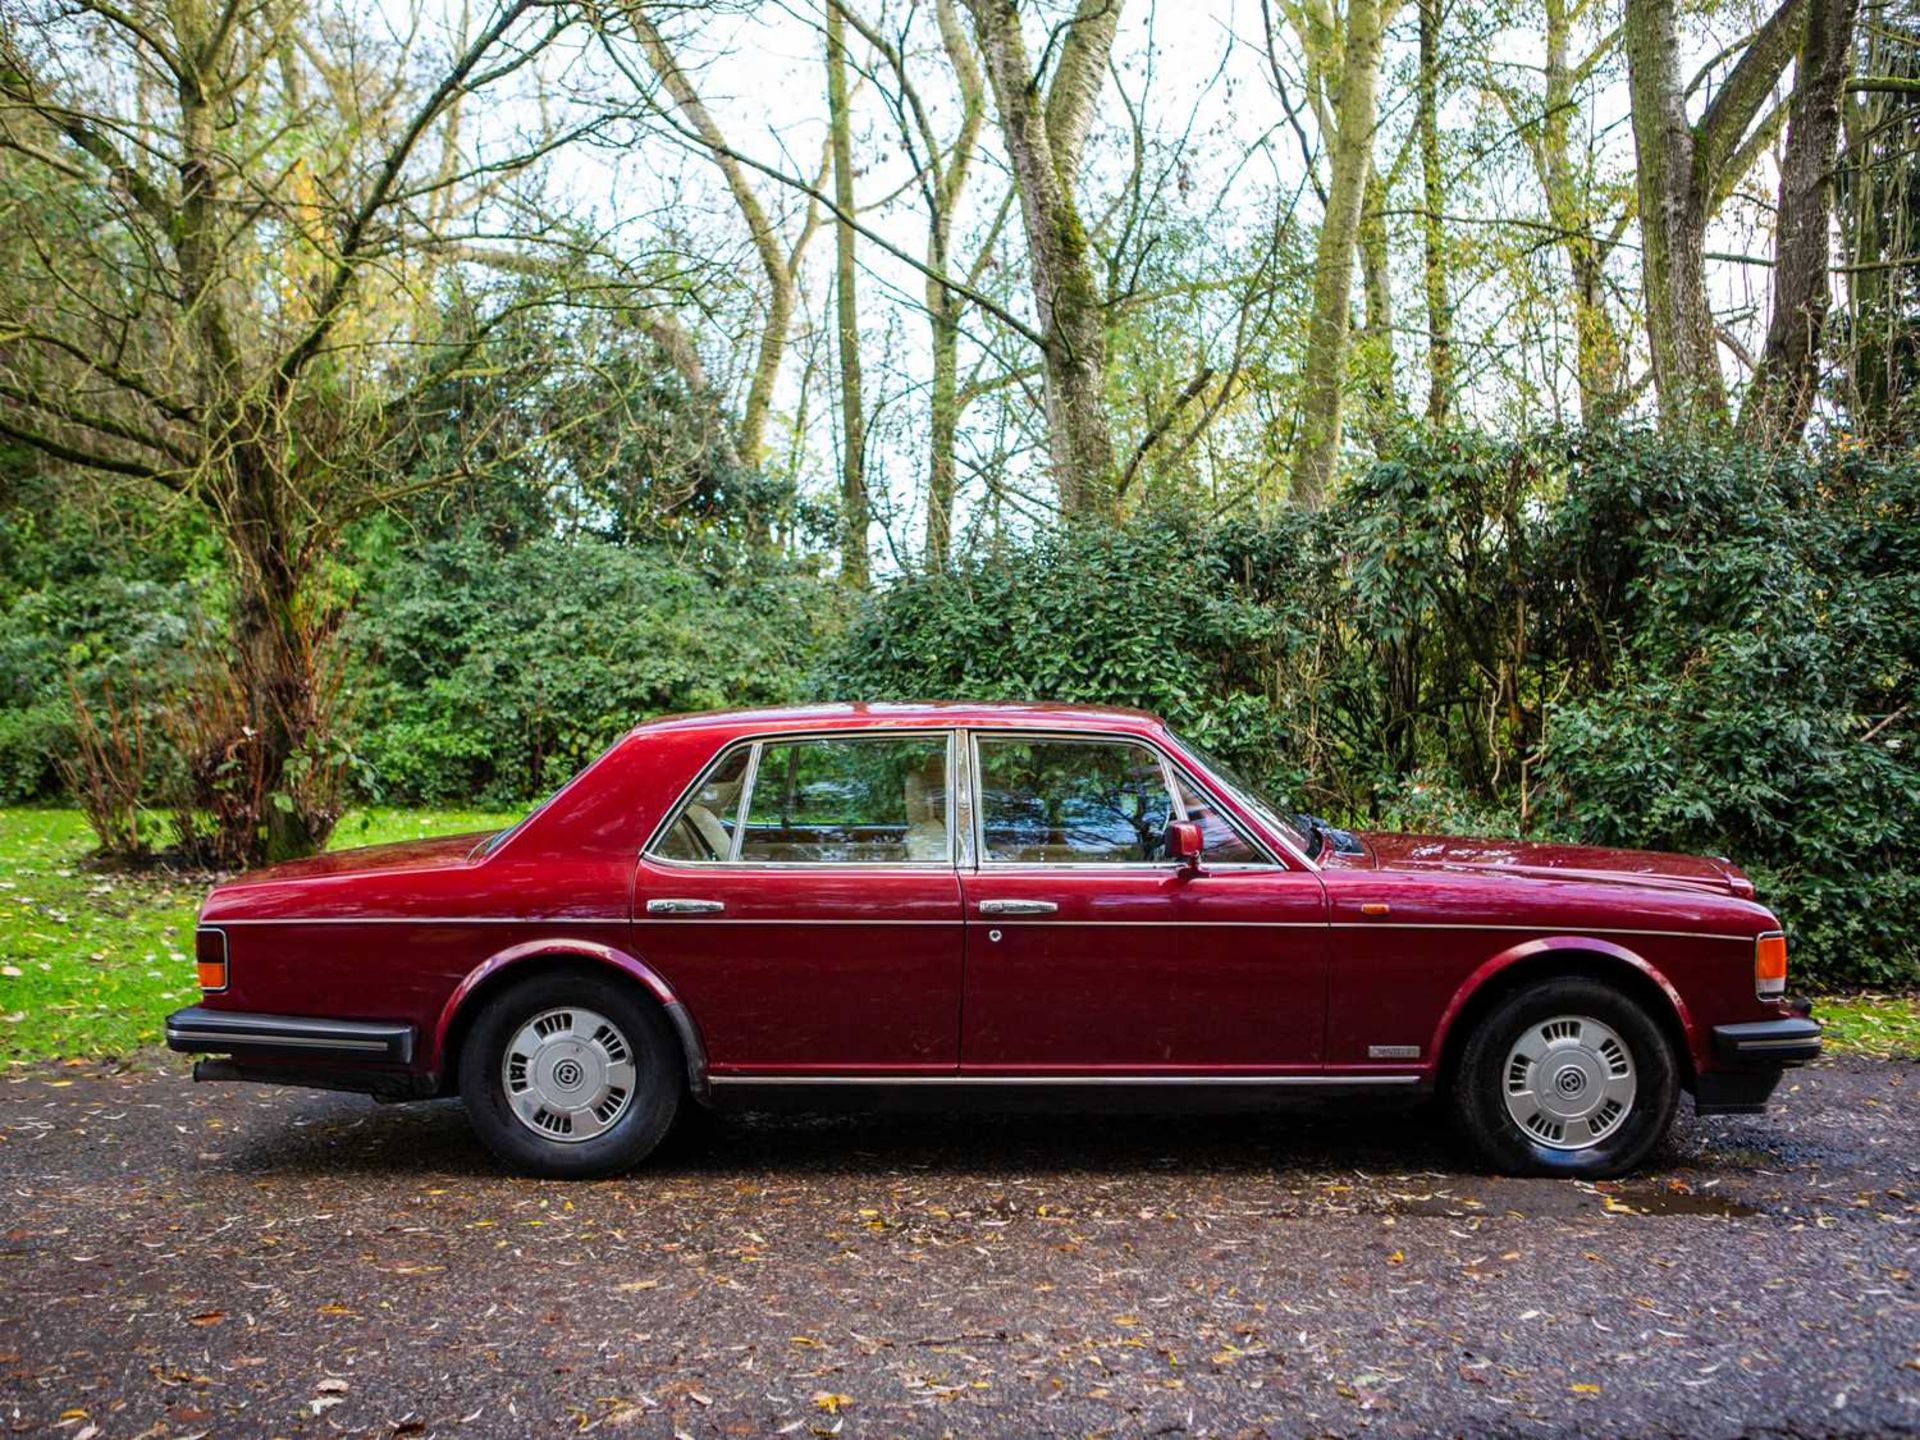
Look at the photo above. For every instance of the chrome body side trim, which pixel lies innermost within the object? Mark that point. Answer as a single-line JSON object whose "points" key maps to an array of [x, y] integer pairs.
{"points": [[958, 1079]]}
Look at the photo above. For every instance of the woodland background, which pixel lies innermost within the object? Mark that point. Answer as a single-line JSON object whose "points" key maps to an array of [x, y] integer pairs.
{"points": [[1500, 417]]}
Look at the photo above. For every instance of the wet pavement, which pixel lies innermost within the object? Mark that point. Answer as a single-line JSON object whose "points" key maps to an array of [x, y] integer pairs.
{"points": [[233, 1260]]}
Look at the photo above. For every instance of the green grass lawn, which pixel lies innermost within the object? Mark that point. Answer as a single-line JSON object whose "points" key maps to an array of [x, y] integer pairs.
{"points": [[92, 961]]}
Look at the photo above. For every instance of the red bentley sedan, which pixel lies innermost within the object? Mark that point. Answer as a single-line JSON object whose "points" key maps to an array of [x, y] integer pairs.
{"points": [[845, 901]]}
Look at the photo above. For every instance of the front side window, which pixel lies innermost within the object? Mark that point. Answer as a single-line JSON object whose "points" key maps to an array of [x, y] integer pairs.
{"points": [[1072, 802], [849, 801]]}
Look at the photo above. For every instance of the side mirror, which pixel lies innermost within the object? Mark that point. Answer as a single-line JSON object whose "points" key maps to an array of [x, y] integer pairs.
{"points": [[1185, 844]]}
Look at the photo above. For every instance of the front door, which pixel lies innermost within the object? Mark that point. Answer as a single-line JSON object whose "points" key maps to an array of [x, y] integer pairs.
{"points": [[804, 905], [1089, 951]]}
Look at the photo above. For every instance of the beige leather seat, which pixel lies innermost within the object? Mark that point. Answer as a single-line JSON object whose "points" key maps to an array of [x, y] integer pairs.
{"points": [[926, 797]]}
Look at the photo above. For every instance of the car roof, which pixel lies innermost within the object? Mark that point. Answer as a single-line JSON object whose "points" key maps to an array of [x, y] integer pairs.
{"points": [[860, 715]]}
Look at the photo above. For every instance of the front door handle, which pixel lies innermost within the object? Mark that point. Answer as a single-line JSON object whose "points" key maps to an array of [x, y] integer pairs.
{"points": [[685, 907], [1017, 907]]}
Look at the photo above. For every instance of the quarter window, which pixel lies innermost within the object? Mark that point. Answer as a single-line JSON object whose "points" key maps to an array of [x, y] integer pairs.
{"points": [[849, 801], [1223, 842], [1072, 802], [706, 825]]}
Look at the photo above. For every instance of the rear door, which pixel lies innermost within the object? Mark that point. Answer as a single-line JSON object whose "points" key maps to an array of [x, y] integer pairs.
{"points": [[1089, 951], [803, 902]]}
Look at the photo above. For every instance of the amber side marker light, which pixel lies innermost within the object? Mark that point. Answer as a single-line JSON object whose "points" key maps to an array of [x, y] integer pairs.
{"points": [[1770, 966], [210, 958]]}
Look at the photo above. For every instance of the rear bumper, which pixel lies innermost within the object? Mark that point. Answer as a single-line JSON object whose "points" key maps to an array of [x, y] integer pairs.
{"points": [[197, 1030], [1767, 1043]]}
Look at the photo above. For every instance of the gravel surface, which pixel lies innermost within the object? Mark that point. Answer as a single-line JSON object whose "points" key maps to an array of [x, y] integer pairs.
{"points": [[233, 1260]]}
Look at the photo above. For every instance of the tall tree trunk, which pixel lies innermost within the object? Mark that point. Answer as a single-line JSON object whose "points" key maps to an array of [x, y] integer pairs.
{"points": [[1686, 365], [853, 420], [1432, 225], [943, 306], [1324, 375], [272, 646], [1043, 144], [775, 262], [1782, 392], [1684, 171], [1376, 325], [1600, 349]]}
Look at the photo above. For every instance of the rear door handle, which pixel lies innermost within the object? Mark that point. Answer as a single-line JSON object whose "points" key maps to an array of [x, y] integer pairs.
{"points": [[685, 907], [1017, 907]]}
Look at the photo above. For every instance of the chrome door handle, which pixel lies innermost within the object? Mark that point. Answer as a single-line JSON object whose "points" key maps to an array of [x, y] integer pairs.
{"points": [[685, 907], [1017, 907]]}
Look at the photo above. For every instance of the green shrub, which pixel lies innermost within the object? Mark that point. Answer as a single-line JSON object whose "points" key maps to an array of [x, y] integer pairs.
{"points": [[1616, 639], [493, 675]]}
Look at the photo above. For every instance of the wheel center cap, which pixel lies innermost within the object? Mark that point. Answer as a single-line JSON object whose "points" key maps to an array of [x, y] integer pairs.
{"points": [[568, 1074], [1570, 1081]]}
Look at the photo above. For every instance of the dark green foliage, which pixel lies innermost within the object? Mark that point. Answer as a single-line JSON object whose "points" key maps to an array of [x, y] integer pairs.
{"points": [[492, 676], [101, 593], [1623, 640]]}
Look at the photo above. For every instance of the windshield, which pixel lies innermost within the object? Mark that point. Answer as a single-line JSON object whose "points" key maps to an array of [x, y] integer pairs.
{"points": [[1252, 797]]}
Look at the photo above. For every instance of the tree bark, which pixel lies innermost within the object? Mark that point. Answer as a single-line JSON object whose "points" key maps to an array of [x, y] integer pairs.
{"points": [[943, 306], [1323, 378], [1684, 171], [853, 420], [1432, 228], [1781, 395], [1043, 143], [1376, 326]]}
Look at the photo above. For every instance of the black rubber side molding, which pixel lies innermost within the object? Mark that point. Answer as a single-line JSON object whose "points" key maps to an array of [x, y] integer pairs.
{"points": [[197, 1030], [1767, 1042]]}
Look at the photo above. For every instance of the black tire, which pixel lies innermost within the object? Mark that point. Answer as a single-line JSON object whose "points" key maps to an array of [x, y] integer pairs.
{"points": [[649, 1109], [1479, 1088]]}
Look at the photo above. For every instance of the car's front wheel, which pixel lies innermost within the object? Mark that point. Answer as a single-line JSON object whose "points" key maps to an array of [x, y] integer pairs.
{"points": [[570, 1076], [1566, 1077]]}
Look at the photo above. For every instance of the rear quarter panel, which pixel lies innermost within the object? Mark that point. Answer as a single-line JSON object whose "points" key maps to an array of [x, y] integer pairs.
{"points": [[396, 944]]}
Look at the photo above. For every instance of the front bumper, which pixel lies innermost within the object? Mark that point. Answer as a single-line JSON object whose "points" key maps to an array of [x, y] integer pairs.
{"points": [[1769, 1043], [197, 1030], [1749, 1059]]}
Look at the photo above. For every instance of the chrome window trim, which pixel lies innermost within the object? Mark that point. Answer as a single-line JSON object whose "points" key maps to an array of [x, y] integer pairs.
{"points": [[1169, 767], [755, 743]]}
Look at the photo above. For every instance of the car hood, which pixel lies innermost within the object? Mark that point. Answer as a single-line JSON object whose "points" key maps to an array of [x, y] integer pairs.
{"points": [[431, 854], [1650, 868]]}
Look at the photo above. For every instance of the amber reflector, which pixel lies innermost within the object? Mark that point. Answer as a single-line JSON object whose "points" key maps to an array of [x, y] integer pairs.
{"points": [[1770, 966], [210, 958]]}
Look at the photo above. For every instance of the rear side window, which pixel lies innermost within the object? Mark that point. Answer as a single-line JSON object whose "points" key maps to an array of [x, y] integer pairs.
{"points": [[849, 801], [707, 822], [1072, 802], [831, 800]]}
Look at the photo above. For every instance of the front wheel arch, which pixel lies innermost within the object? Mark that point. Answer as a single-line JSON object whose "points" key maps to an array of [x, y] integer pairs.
{"points": [[1552, 960], [471, 997]]}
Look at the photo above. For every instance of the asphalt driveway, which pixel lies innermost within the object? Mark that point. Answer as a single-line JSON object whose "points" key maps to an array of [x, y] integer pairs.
{"points": [[230, 1260]]}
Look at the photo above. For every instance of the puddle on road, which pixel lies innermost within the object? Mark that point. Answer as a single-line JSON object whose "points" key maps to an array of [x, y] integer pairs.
{"points": [[1665, 1200], [1558, 1197]]}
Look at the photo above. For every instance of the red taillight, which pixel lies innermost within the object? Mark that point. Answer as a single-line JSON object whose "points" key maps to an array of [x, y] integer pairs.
{"points": [[210, 958], [1770, 966]]}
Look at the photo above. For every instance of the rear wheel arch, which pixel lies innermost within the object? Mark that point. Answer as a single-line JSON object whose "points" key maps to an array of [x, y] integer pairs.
{"points": [[538, 958], [1559, 958]]}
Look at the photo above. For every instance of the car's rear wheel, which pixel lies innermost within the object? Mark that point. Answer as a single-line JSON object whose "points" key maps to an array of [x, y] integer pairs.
{"points": [[571, 1076], [1566, 1077]]}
